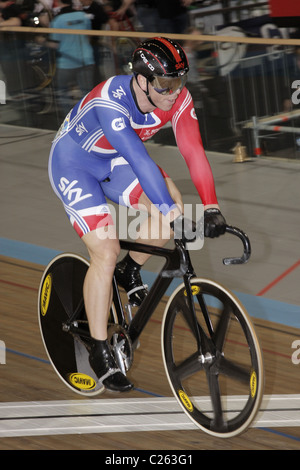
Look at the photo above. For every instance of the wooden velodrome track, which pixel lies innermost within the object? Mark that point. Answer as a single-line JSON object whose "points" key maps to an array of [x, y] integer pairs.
{"points": [[37, 411], [26, 378]]}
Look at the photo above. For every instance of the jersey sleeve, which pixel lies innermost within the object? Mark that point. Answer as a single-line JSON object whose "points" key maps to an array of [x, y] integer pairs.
{"points": [[115, 122], [187, 133]]}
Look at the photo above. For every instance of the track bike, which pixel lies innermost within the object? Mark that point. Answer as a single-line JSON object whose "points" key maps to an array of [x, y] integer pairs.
{"points": [[211, 353]]}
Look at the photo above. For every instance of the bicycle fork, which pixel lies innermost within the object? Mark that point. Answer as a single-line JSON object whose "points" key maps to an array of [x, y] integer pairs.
{"points": [[204, 346]]}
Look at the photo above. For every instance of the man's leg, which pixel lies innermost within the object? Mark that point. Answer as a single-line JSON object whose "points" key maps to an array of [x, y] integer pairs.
{"points": [[97, 297], [155, 231], [123, 188], [98, 281]]}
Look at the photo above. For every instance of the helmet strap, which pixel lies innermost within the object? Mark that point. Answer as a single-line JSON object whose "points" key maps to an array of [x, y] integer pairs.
{"points": [[147, 91], [148, 95]]}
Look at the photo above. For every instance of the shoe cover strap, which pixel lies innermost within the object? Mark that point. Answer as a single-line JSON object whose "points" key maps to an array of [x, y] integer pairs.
{"points": [[108, 374], [144, 286]]}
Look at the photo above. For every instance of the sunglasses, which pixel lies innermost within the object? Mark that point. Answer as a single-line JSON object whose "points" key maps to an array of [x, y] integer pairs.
{"points": [[168, 85]]}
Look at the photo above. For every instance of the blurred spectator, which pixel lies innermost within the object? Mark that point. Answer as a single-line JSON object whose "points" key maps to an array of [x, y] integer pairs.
{"points": [[163, 16], [194, 83], [99, 18], [12, 46], [120, 13], [120, 7], [146, 11], [75, 58], [10, 14], [174, 16], [95, 12]]}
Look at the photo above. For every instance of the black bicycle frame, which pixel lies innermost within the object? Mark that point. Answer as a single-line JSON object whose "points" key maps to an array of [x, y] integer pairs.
{"points": [[178, 264]]}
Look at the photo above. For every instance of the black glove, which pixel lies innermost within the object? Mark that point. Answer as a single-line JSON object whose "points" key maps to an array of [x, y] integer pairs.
{"points": [[186, 229], [214, 223]]}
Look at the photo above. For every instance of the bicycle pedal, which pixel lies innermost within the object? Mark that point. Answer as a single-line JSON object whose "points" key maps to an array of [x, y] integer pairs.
{"points": [[121, 346]]}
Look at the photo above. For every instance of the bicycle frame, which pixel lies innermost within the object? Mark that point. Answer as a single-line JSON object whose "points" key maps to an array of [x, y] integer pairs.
{"points": [[178, 264]]}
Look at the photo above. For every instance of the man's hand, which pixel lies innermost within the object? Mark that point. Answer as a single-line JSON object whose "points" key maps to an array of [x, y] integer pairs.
{"points": [[214, 223], [186, 229]]}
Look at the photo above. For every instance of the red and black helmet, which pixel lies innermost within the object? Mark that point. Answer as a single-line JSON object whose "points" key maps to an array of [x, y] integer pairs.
{"points": [[160, 57]]}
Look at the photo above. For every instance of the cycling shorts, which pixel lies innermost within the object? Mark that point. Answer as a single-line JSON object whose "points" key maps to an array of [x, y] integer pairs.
{"points": [[84, 182]]}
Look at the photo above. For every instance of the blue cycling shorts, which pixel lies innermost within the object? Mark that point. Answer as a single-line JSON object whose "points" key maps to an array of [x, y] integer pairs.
{"points": [[84, 182]]}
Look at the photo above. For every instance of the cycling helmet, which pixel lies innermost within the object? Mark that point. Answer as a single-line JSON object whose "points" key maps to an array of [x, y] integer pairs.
{"points": [[163, 62]]}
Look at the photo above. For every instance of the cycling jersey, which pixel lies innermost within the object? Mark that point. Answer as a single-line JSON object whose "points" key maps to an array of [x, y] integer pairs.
{"points": [[101, 141]]}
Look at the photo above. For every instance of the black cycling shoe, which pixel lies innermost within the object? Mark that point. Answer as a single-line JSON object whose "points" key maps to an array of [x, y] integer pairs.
{"points": [[129, 277], [106, 369]]}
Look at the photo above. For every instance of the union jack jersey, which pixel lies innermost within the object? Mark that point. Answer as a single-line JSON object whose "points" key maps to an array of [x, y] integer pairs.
{"points": [[107, 128]]}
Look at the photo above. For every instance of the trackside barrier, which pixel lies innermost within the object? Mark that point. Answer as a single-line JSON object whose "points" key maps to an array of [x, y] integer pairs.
{"points": [[272, 123], [267, 124], [139, 34]]}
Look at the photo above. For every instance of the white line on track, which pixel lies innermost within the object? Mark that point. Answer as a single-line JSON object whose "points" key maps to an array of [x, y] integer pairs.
{"points": [[125, 415]]}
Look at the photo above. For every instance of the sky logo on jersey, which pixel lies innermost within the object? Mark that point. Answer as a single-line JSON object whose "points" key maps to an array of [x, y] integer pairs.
{"points": [[118, 124], [118, 93], [80, 128]]}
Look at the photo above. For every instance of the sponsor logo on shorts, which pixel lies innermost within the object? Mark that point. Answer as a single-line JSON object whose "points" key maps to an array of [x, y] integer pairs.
{"points": [[73, 193]]}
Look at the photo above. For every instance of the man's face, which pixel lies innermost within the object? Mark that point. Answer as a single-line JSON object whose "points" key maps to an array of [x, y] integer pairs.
{"points": [[163, 102]]}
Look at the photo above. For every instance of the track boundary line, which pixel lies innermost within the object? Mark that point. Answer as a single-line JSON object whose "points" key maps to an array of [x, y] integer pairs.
{"points": [[39, 418]]}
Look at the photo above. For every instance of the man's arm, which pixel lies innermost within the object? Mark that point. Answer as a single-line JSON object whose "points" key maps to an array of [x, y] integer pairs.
{"points": [[189, 141], [125, 140]]}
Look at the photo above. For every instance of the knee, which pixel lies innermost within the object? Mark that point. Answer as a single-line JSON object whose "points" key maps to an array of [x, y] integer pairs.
{"points": [[103, 252], [106, 254]]}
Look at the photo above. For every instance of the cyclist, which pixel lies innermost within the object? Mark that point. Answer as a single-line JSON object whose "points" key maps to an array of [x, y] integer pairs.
{"points": [[98, 153]]}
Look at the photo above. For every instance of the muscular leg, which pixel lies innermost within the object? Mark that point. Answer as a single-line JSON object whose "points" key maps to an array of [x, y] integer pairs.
{"points": [[97, 297], [98, 281], [91, 219], [156, 223], [155, 231], [120, 189]]}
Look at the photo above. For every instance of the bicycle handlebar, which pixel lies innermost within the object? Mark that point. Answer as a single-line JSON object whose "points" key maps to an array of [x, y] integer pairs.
{"points": [[246, 244], [184, 261], [184, 257]]}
